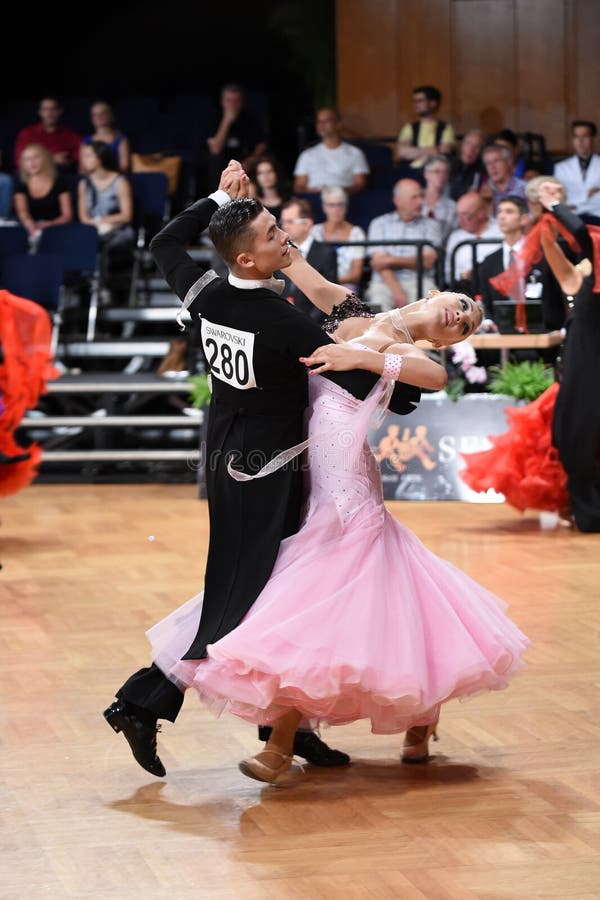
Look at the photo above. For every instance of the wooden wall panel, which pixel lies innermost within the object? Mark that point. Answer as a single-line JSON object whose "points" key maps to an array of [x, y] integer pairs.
{"points": [[423, 54], [483, 64], [366, 64], [524, 64], [586, 61], [541, 77]]}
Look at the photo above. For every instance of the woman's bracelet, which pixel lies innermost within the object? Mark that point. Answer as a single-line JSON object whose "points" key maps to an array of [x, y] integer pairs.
{"points": [[392, 365]]}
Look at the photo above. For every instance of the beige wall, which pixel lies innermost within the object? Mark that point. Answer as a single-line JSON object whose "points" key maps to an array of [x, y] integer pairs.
{"points": [[529, 65]]}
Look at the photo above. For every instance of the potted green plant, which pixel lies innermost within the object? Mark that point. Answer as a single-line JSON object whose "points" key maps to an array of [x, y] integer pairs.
{"points": [[522, 380], [199, 390]]}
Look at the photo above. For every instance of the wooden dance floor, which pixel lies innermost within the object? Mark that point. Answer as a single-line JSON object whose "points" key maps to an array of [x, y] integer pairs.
{"points": [[508, 808]]}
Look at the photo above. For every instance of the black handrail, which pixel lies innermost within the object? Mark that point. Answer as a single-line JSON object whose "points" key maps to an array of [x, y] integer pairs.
{"points": [[418, 244], [473, 243]]}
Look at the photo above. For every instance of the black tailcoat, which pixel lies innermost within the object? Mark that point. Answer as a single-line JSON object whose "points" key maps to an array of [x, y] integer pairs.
{"points": [[252, 340]]}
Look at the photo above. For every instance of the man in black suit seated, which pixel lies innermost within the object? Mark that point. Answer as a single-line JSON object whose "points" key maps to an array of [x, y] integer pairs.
{"points": [[297, 219], [539, 287], [512, 221]]}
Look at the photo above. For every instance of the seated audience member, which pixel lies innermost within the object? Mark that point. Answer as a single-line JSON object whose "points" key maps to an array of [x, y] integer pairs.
{"points": [[438, 204], [501, 182], [336, 227], [105, 130], [428, 134], [269, 185], [297, 219], [235, 133], [331, 162], [474, 221], [62, 143], [513, 219], [105, 200], [41, 195], [507, 138], [580, 173], [467, 170], [394, 280]]}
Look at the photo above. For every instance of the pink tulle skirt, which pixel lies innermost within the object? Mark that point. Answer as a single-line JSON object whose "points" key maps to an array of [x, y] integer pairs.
{"points": [[359, 622]]}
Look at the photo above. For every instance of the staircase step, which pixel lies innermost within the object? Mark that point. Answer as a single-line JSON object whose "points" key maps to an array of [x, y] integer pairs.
{"points": [[139, 314], [116, 383], [117, 455], [112, 348], [43, 422]]}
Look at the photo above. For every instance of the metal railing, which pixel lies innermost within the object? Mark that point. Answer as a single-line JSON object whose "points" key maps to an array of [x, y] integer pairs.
{"points": [[418, 244], [475, 263]]}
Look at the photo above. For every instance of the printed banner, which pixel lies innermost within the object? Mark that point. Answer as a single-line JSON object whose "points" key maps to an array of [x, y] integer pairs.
{"points": [[419, 454]]}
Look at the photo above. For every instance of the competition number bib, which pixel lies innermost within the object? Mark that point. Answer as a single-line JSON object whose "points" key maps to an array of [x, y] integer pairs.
{"points": [[230, 354]]}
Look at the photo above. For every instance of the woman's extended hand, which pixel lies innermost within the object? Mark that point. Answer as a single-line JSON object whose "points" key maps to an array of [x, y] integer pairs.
{"points": [[335, 358]]}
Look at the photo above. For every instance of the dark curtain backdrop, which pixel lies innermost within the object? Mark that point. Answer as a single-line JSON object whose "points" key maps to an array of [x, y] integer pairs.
{"points": [[286, 50]]}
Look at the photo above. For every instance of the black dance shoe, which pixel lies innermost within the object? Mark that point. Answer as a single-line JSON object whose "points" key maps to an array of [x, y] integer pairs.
{"points": [[140, 736], [310, 747]]}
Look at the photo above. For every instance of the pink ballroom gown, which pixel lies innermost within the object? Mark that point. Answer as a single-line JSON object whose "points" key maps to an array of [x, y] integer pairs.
{"points": [[359, 620]]}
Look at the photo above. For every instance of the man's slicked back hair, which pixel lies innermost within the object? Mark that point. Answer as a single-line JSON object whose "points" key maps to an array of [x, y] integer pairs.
{"points": [[231, 229]]}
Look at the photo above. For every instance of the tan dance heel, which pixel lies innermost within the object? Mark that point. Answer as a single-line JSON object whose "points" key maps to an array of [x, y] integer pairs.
{"points": [[416, 743], [259, 767]]}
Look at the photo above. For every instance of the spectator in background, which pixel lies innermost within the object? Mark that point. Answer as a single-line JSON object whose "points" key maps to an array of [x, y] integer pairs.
{"points": [[437, 203], [62, 143], [332, 162], [507, 138], [336, 227], [42, 197], [512, 221], [394, 279], [105, 200], [428, 134], [269, 185], [580, 173], [468, 171], [501, 182], [297, 219], [101, 115], [474, 221], [235, 133]]}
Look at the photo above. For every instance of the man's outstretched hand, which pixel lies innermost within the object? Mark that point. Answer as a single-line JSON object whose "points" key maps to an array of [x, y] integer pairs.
{"points": [[234, 181]]}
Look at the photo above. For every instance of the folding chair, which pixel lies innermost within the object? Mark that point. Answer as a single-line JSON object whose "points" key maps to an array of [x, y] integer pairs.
{"points": [[77, 245], [36, 277], [151, 211]]}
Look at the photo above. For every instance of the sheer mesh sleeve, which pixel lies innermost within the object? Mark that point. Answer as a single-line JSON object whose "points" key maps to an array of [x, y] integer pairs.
{"points": [[350, 307]]}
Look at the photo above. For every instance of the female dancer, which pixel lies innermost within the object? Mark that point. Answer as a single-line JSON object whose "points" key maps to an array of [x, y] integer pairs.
{"points": [[549, 459], [358, 619]]}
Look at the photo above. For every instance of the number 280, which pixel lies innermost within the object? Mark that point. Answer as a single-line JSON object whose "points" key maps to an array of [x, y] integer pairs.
{"points": [[232, 365]]}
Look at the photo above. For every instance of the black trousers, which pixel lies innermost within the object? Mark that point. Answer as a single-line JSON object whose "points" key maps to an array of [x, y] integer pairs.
{"points": [[153, 691]]}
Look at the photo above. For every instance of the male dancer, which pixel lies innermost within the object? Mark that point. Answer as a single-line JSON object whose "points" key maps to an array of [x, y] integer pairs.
{"points": [[252, 339]]}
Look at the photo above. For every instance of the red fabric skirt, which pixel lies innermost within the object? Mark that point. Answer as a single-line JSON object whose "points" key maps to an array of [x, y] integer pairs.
{"points": [[522, 463], [25, 337]]}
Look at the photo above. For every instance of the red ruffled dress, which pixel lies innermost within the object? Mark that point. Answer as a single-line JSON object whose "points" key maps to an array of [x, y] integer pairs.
{"points": [[522, 463], [25, 367]]}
